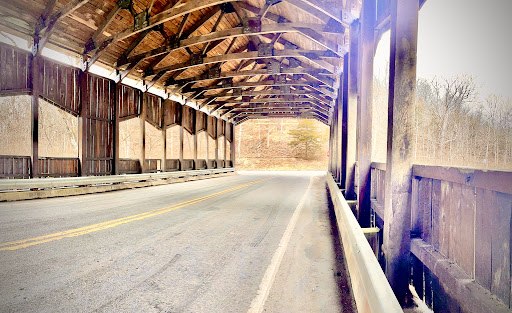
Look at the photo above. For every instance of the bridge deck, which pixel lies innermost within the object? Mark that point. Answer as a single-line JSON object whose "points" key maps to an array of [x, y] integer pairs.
{"points": [[203, 246]]}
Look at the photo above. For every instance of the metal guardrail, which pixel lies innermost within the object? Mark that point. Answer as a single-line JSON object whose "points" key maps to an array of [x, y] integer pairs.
{"points": [[370, 288], [46, 183]]}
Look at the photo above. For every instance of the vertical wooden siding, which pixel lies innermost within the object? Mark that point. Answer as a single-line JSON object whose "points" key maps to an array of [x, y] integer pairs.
{"points": [[468, 223], [211, 126], [98, 104], [128, 101], [14, 69], [153, 110], [60, 85]]}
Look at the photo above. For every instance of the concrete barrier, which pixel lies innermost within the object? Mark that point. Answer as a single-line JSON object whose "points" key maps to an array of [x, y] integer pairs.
{"points": [[24, 189], [370, 288]]}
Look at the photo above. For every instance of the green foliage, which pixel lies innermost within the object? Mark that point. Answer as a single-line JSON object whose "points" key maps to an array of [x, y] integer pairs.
{"points": [[306, 142]]}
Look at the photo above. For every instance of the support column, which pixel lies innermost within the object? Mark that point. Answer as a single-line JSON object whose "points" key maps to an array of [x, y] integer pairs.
{"points": [[82, 124], [364, 143], [217, 149], [225, 145], [181, 148], [343, 120], [163, 167], [35, 115], [195, 147], [351, 100], [142, 157], [232, 151], [402, 92], [339, 136], [115, 168]]}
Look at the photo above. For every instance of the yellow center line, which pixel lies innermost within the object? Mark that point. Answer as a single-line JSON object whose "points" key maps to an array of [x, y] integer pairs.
{"points": [[20, 244]]}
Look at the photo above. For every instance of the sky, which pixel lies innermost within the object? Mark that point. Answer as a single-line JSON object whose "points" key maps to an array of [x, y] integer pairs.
{"points": [[463, 37]]}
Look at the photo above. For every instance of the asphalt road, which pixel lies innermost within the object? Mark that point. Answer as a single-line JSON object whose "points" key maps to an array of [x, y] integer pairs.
{"points": [[259, 241]]}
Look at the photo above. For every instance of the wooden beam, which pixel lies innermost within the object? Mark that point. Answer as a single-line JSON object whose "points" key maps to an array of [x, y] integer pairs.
{"points": [[338, 51], [181, 33], [246, 56], [104, 25], [351, 97], [271, 92], [318, 10], [400, 142], [162, 17], [364, 113], [311, 72], [36, 87], [49, 24]]}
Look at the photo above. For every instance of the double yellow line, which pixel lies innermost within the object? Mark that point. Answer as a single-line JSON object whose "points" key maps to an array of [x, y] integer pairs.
{"points": [[24, 243]]}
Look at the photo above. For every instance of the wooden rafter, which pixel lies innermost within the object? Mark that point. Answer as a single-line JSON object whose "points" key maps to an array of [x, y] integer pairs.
{"points": [[160, 18], [318, 74], [312, 55], [48, 25], [267, 83], [238, 32]]}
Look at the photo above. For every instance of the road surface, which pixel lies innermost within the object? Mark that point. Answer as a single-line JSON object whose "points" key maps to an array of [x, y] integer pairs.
{"points": [[251, 242]]}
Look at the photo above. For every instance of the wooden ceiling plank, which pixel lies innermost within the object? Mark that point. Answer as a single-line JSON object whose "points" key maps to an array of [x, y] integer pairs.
{"points": [[49, 24], [246, 56], [304, 29]]}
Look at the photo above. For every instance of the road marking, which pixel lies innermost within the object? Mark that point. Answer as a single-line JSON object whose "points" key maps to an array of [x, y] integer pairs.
{"points": [[270, 274], [24, 243]]}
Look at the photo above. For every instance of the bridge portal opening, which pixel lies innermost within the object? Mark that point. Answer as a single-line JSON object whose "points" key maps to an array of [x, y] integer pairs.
{"points": [[282, 144]]}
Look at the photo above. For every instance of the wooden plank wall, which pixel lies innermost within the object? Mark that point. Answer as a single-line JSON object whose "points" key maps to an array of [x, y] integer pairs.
{"points": [[14, 166], [14, 70], [153, 109], [466, 215], [129, 166], [211, 126], [58, 167], [201, 121], [229, 132], [221, 127], [93, 99], [188, 119], [172, 113], [60, 85], [128, 102], [98, 114]]}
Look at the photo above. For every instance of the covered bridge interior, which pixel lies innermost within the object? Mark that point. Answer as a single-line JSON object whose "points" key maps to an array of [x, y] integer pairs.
{"points": [[208, 65]]}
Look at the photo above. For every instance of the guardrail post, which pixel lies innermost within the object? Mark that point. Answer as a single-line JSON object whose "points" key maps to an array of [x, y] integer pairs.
{"points": [[402, 92], [364, 113]]}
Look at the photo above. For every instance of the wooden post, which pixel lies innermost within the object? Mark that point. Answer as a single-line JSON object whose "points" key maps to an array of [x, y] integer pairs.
{"points": [[217, 147], [181, 147], [351, 104], [402, 93], [36, 88], [207, 144], [364, 143], [82, 124], [163, 167], [194, 118], [232, 150], [142, 117], [115, 168], [339, 136], [225, 144], [344, 120]]}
